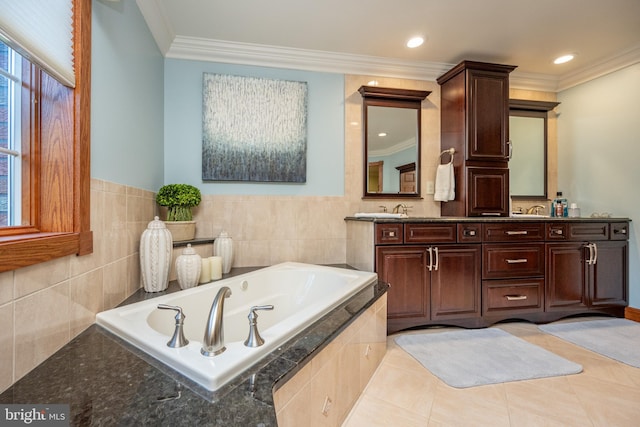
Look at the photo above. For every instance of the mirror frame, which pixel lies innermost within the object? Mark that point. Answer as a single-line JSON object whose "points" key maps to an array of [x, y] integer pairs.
{"points": [[536, 109], [396, 98]]}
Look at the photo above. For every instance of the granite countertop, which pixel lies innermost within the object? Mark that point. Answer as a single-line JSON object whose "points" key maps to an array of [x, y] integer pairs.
{"points": [[109, 382], [487, 219]]}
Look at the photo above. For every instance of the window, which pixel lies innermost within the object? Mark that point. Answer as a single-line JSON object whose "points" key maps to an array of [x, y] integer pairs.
{"points": [[10, 195], [54, 147]]}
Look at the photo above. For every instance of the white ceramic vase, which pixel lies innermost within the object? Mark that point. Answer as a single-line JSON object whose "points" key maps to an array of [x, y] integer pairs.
{"points": [[188, 267], [156, 246], [223, 247]]}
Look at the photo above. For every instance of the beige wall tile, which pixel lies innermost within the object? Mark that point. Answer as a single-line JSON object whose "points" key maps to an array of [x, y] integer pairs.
{"points": [[85, 294], [40, 276], [41, 326], [6, 346], [6, 286], [116, 285]]}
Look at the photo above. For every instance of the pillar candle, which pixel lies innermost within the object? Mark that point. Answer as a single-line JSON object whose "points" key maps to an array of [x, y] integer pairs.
{"points": [[205, 272], [216, 267]]}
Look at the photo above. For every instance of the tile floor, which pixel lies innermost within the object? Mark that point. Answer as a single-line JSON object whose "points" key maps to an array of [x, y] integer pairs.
{"points": [[402, 393]]}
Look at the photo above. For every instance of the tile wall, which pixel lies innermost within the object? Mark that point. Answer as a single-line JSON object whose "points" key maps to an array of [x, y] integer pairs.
{"points": [[42, 307]]}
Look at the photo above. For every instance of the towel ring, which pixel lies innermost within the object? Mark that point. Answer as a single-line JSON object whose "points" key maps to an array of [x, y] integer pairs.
{"points": [[450, 152]]}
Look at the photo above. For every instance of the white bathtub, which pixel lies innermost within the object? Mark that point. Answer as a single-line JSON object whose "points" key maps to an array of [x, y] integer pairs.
{"points": [[300, 294]]}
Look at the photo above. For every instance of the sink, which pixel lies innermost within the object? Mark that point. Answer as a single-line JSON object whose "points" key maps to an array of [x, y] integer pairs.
{"points": [[519, 215], [380, 215]]}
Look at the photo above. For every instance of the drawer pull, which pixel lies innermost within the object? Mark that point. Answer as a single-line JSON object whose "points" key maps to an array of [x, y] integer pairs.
{"points": [[516, 233], [469, 233], [515, 297], [620, 231], [557, 231], [517, 261]]}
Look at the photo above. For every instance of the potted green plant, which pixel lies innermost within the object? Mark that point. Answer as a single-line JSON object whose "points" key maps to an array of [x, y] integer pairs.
{"points": [[179, 199]]}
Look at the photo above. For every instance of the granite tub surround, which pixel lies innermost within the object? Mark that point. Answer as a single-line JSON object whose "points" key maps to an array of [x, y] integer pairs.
{"points": [[108, 382]]}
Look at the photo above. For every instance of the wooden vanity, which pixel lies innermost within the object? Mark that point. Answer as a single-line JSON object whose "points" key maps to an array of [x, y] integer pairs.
{"points": [[474, 272]]}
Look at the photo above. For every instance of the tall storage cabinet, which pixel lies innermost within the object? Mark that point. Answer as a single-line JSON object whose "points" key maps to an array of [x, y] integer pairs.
{"points": [[475, 122]]}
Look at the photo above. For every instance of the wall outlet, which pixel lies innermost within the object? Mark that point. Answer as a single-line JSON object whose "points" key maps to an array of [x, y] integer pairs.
{"points": [[431, 187]]}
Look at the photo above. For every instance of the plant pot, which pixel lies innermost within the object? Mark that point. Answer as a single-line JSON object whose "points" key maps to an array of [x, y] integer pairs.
{"points": [[181, 230]]}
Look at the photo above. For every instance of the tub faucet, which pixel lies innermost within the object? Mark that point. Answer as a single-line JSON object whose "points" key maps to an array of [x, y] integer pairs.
{"points": [[254, 339], [213, 342]]}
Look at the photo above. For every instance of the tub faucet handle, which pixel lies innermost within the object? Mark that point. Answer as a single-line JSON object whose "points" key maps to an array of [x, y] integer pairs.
{"points": [[254, 339], [178, 339]]}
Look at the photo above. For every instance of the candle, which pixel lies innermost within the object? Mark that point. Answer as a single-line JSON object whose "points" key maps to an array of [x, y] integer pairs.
{"points": [[205, 272], [216, 267]]}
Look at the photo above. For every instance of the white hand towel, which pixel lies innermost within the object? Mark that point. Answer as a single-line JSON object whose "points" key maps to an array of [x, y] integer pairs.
{"points": [[445, 183]]}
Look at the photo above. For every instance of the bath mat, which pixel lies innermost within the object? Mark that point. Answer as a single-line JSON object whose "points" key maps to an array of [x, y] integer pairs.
{"points": [[476, 357], [617, 339]]}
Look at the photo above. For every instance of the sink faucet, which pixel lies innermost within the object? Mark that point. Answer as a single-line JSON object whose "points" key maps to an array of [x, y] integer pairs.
{"points": [[402, 206], [213, 342], [535, 209]]}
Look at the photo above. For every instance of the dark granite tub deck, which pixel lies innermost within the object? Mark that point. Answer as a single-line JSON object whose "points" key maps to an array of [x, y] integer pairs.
{"points": [[108, 382]]}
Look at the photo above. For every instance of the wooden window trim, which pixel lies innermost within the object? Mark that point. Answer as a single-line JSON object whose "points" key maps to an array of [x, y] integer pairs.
{"points": [[58, 154]]}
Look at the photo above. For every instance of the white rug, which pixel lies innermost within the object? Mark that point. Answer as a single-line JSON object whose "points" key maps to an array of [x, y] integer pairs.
{"points": [[468, 358], [618, 339]]}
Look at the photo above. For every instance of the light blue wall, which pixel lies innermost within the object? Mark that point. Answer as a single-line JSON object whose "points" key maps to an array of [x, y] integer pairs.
{"points": [[183, 129], [126, 98], [599, 153]]}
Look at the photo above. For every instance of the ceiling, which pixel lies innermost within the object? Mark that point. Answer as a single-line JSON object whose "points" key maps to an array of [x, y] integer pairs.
{"points": [[369, 36]]}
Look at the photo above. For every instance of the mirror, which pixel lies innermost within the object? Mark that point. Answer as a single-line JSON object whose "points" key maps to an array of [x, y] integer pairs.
{"points": [[391, 128], [528, 135]]}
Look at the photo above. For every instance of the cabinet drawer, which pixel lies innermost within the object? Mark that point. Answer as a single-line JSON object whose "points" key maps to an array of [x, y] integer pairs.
{"points": [[387, 234], [557, 231], [619, 231], [469, 233], [430, 233], [513, 260], [589, 231], [503, 296], [513, 232]]}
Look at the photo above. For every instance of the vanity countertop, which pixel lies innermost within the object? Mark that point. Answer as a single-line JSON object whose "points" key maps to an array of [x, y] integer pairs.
{"points": [[483, 219], [109, 382]]}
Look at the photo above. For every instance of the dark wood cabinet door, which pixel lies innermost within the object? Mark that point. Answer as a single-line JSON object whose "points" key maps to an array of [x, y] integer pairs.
{"points": [[608, 279], [566, 277], [455, 284], [488, 122], [404, 268], [488, 191]]}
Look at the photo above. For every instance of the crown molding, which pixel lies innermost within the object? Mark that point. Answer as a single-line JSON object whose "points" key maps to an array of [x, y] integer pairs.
{"points": [[155, 16], [608, 65], [200, 49]]}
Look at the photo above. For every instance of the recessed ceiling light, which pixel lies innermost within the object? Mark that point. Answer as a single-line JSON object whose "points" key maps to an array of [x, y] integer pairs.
{"points": [[381, 134], [373, 83], [415, 42], [564, 58]]}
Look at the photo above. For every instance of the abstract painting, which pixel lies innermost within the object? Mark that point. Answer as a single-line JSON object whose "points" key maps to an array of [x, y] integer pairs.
{"points": [[254, 129]]}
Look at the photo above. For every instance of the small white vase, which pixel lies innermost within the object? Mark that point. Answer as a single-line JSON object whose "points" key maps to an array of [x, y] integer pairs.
{"points": [[156, 246], [223, 247], [188, 266]]}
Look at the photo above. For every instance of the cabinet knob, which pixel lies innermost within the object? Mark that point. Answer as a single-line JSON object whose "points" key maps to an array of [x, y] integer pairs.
{"points": [[469, 233], [557, 231], [619, 231]]}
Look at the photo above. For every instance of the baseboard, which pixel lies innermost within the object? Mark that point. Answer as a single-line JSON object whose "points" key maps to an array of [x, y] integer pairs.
{"points": [[632, 314]]}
